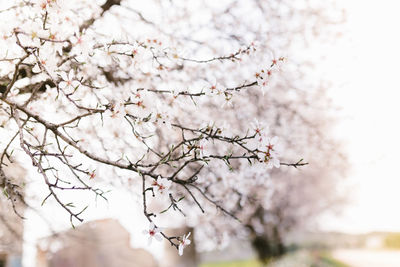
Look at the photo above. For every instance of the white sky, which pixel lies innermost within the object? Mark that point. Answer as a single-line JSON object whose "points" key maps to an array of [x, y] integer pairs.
{"points": [[370, 96]]}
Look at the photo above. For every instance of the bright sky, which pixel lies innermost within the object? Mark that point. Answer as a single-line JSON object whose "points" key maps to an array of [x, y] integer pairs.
{"points": [[370, 96]]}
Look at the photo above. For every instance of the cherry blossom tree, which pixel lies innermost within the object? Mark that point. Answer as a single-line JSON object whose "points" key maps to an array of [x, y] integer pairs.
{"points": [[292, 199], [169, 98], [276, 203], [301, 113]]}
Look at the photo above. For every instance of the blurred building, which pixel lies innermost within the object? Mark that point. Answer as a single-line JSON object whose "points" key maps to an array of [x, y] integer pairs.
{"points": [[11, 231], [336, 240], [11, 224], [102, 243]]}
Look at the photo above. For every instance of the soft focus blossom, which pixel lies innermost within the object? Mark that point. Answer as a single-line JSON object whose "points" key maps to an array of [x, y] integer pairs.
{"points": [[202, 148], [46, 63], [183, 242], [271, 154], [69, 83], [258, 128], [162, 185], [118, 110], [153, 232], [82, 44]]}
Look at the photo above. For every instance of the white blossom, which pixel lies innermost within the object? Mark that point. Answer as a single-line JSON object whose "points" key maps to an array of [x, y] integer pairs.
{"points": [[183, 242], [162, 186], [153, 232], [69, 83]]}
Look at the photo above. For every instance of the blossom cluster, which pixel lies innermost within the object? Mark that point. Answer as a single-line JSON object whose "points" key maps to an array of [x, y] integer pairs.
{"points": [[82, 92], [155, 232]]}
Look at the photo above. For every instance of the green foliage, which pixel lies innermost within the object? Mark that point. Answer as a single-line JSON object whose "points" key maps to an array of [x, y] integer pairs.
{"points": [[393, 241], [299, 258], [326, 260]]}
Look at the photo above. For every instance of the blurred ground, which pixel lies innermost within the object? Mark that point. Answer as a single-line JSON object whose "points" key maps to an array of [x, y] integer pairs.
{"points": [[337, 258], [368, 258], [297, 259]]}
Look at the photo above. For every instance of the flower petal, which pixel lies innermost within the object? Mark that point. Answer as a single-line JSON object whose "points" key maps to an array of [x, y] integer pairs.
{"points": [[36, 68], [62, 85], [71, 75], [274, 140], [64, 76], [75, 83]]}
